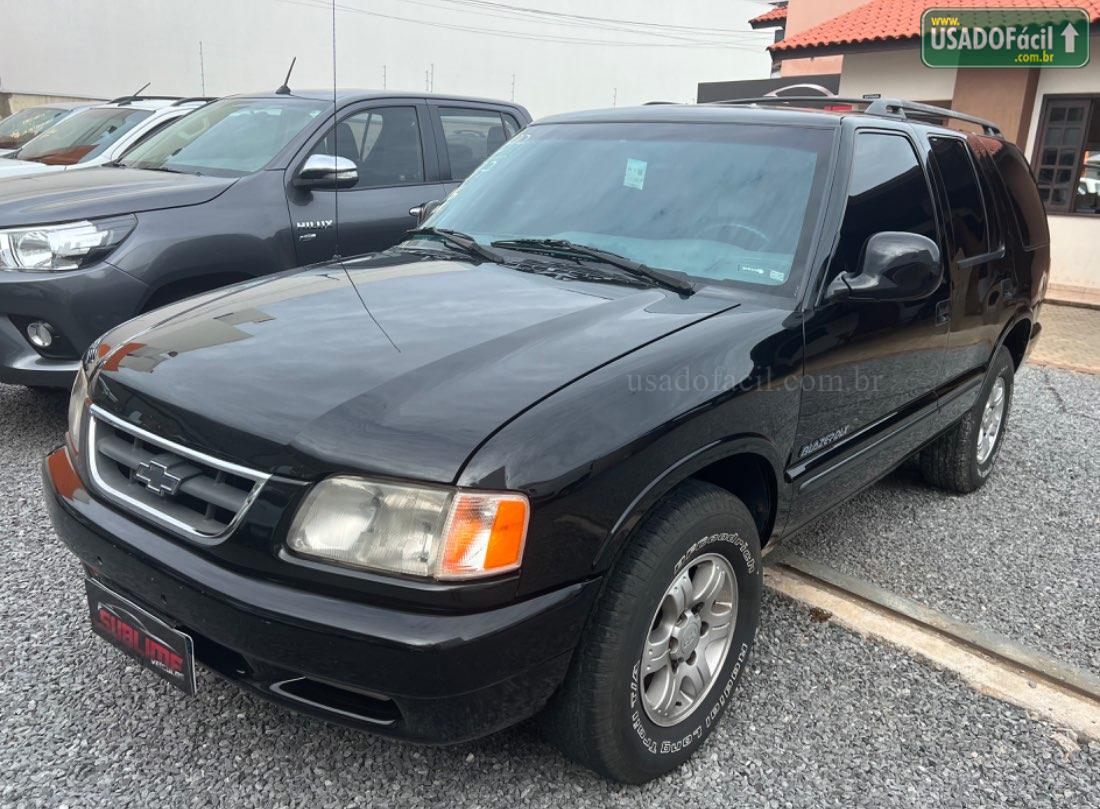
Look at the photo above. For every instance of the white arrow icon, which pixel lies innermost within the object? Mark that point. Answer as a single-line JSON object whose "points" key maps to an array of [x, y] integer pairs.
{"points": [[1069, 34]]}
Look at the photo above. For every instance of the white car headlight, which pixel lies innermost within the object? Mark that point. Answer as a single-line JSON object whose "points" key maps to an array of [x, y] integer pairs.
{"points": [[56, 248], [78, 401], [413, 530]]}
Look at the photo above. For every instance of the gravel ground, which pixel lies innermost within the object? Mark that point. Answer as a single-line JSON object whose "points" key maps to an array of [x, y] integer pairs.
{"points": [[826, 718], [1022, 555]]}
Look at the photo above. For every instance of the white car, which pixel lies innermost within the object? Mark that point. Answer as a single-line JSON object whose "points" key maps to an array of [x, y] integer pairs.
{"points": [[27, 123], [97, 135]]}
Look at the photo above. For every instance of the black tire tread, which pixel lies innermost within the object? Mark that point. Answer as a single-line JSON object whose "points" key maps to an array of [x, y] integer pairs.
{"points": [[577, 720]]}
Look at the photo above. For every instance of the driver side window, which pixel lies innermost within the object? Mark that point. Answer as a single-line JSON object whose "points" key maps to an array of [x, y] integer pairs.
{"points": [[384, 144], [888, 191]]}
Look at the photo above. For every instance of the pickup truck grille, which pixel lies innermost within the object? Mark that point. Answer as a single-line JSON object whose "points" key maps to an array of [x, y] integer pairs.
{"points": [[187, 492]]}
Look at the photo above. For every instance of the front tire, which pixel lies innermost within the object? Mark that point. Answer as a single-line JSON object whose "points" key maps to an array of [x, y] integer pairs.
{"points": [[961, 459], [658, 664]]}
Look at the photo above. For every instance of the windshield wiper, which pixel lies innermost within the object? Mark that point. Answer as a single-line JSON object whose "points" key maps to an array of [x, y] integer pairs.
{"points": [[462, 241], [635, 268]]}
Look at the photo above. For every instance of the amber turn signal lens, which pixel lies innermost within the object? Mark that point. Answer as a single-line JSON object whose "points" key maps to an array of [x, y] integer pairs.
{"points": [[484, 535]]}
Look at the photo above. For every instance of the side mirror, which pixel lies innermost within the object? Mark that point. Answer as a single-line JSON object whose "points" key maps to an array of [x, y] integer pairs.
{"points": [[423, 211], [327, 171], [896, 266]]}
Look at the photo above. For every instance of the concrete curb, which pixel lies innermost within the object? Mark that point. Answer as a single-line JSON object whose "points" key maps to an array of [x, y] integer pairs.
{"points": [[990, 643]]}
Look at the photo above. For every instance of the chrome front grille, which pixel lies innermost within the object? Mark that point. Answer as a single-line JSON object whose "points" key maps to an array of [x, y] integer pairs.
{"points": [[185, 491]]}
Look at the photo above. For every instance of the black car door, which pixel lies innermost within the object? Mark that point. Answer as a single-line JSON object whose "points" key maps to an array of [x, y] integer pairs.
{"points": [[392, 146], [871, 367], [466, 134]]}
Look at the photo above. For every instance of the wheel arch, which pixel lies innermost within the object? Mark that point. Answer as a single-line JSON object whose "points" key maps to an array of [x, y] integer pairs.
{"points": [[1016, 337], [748, 467], [177, 289]]}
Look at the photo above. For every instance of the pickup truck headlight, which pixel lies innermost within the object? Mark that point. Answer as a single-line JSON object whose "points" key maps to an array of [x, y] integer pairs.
{"points": [[56, 248], [414, 530]]}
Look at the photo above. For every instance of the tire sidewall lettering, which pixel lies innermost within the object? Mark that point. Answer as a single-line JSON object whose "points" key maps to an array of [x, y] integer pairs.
{"points": [[688, 736]]}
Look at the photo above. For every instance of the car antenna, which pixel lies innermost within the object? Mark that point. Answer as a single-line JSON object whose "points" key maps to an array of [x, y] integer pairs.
{"points": [[138, 92], [284, 90], [335, 135]]}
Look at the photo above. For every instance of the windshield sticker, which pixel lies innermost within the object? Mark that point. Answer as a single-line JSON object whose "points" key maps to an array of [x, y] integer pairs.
{"points": [[769, 274], [635, 173]]}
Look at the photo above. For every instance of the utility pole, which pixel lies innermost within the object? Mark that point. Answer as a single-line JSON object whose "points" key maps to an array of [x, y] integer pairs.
{"points": [[614, 96], [202, 69], [432, 88], [383, 77], [513, 86]]}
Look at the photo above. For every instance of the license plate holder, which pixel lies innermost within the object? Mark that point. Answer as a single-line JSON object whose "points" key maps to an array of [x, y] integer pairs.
{"points": [[158, 647]]}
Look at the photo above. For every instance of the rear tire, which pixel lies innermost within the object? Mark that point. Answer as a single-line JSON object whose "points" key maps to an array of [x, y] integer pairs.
{"points": [[961, 459], [687, 591]]}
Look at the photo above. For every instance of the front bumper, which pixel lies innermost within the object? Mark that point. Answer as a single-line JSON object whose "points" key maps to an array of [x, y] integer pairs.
{"points": [[81, 305], [435, 678]]}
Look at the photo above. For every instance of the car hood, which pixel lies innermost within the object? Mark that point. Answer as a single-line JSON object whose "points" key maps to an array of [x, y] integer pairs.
{"points": [[398, 366], [60, 196]]}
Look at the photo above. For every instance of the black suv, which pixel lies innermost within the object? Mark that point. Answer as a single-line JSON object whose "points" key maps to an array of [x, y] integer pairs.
{"points": [[530, 456], [245, 186]]}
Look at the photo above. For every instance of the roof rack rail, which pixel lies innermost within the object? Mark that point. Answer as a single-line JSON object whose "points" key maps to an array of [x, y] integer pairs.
{"points": [[875, 104], [131, 99], [192, 99]]}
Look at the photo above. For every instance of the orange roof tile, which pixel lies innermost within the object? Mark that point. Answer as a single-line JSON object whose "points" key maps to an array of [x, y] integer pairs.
{"points": [[897, 21], [771, 18]]}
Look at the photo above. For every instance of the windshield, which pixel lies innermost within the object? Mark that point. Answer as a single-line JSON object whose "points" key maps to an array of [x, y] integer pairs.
{"points": [[228, 138], [17, 129], [731, 203], [82, 136]]}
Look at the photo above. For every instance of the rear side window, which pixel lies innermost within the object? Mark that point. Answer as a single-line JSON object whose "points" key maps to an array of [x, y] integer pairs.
{"points": [[888, 191], [1023, 195], [960, 180], [473, 135]]}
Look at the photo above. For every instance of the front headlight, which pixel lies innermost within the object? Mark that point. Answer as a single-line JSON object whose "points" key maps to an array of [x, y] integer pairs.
{"points": [[414, 530], [78, 401], [56, 248]]}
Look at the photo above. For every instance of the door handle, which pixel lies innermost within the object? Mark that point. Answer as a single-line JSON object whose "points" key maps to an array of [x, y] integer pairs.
{"points": [[943, 312]]}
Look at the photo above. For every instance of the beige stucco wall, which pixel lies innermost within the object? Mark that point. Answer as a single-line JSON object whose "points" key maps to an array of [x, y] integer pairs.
{"points": [[897, 73]]}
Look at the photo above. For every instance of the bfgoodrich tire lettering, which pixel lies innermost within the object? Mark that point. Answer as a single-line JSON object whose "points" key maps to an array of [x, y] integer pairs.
{"points": [[598, 718]]}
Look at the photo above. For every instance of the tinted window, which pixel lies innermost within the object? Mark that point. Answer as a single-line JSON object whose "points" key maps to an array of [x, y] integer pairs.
{"points": [[471, 136], [20, 127], [82, 136], [887, 191], [384, 144], [968, 220], [1023, 196], [733, 203], [228, 138]]}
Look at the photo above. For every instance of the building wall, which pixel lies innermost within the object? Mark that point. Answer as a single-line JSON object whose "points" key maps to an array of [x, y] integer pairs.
{"points": [[247, 45], [1074, 240], [897, 73], [803, 14]]}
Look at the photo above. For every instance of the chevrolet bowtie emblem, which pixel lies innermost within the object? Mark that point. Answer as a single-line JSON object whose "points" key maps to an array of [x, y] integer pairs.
{"points": [[158, 479]]}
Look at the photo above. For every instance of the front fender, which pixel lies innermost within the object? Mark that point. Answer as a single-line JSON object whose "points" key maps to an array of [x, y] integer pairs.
{"points": [[596, 454]]}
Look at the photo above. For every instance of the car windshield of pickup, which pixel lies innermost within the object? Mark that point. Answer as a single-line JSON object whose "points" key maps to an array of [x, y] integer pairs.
{"points": [[228, 138], [726, 203]]}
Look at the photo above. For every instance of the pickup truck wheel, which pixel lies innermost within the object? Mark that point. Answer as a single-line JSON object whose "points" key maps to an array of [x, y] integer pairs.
{"points": [[669, 639], [961, 459]]}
